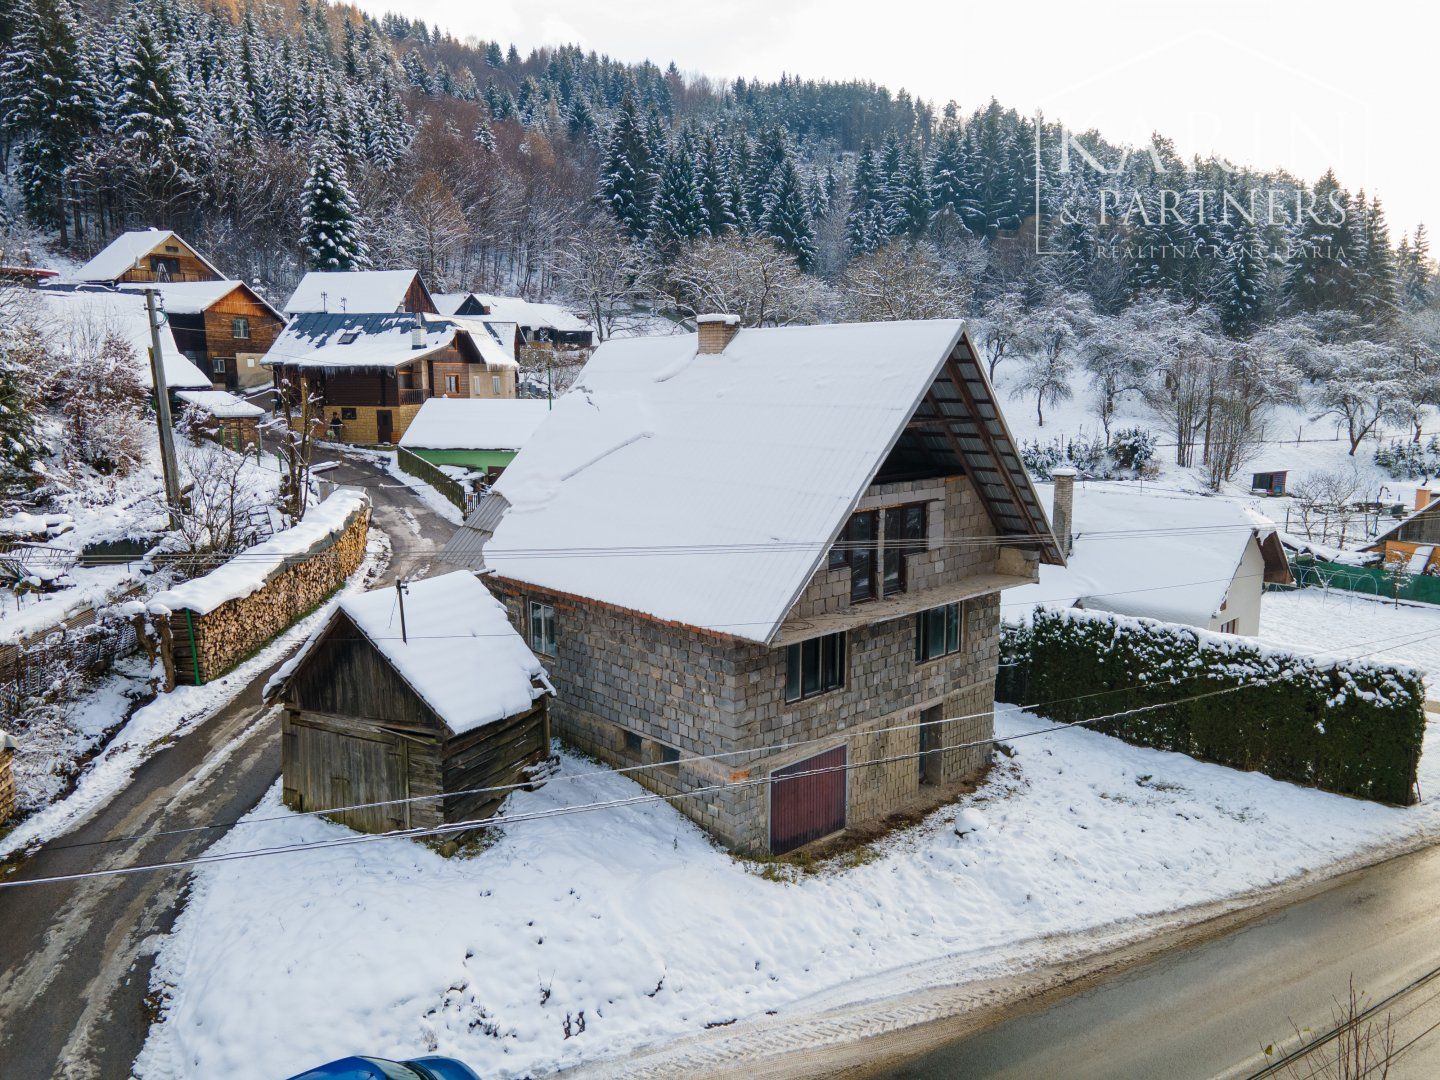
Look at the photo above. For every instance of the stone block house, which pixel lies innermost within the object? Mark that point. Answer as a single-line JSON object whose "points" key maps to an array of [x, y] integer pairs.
{"points": [[783, 551]]}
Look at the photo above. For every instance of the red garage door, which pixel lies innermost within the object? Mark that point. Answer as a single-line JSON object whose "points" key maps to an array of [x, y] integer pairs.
{"points": [[807, 800]]}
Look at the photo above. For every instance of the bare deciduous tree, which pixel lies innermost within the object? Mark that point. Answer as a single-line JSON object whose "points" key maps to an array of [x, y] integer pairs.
{"points": [[747, 276], [608, 274]]}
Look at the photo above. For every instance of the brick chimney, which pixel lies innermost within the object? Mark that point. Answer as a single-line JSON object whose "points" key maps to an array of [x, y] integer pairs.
{"points": [[1422, 498], [716, 332], [1063, 515]]}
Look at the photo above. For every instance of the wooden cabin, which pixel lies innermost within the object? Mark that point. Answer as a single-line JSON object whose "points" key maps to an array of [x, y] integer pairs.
{"points": [[413, 698], [361, 292], [147, 256], [372, 373], [225, 328], [1413, 544]]}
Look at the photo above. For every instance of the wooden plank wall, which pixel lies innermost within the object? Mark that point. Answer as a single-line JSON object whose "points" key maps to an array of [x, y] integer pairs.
{"points": [[493, 756]]}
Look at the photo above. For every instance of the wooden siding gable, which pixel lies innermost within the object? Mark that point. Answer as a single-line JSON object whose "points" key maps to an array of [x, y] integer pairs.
{"points": [[344, 674]]}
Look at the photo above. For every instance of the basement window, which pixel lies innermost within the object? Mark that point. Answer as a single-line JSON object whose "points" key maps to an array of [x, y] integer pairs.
{"points": [[814, 667], [939, 632], [633, 743], [667, 757]]}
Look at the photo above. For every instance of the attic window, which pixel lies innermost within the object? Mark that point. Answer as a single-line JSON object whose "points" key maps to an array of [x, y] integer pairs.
{"points": [[172, 248], [348, 338]]}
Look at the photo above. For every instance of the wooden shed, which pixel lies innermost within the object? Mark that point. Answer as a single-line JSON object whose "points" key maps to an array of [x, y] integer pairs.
{"points": [[7, 776], [424, 700]]}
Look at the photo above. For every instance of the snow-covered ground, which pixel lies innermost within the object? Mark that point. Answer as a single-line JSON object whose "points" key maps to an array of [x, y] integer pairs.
{"points": [[634, 919], [154, 725], [1351, 624]]}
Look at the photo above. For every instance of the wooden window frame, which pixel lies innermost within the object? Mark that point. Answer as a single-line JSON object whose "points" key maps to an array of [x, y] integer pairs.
{"points": [[953, 633], [830, 656], [496, 386], [452, 384], [536, 635], [238, 324]]}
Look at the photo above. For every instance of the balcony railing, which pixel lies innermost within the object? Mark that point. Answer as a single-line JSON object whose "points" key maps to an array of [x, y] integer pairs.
{"points": [[409, 396]]}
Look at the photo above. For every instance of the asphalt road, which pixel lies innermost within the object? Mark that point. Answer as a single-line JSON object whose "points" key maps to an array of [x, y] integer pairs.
{"points": [[75, 958], [1208, 1010]]}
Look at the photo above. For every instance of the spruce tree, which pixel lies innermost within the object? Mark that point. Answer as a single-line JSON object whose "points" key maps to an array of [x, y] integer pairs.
{"points": [[716, 208], [627, 184], [22, 356], [1242, 281], [47, 103], [865, 225], [949, 187], [330, 221], [676, 214], [1414, 268], [152, 114], [484, 134], [1318, 270], [787, 218], [907, 201], [1379, 296]]}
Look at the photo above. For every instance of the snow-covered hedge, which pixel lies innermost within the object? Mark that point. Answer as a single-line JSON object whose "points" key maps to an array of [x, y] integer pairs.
{"points": [[1349, 726]]}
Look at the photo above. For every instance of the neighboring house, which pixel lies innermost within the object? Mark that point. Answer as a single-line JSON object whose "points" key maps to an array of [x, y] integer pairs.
{"points": [[1271, 483], [373, 372], [147, 256], [1412, 542], [413, 701], [77, 320], [360, 292], [785, 550], [224, 327], [232, 421], [1189, 559], [474, 434], [540, 325]]}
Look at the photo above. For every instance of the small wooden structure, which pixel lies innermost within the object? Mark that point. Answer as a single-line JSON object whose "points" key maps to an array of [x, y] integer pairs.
{"points": [[413, 707], [229, 420], [1271, 483], [7, 776], [146, 256]]}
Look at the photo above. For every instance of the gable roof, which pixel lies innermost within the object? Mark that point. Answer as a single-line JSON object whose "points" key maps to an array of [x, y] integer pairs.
{"points": [[81, 316], [1159, 555], [475, 423], [221, 404], [529, 313], [195, 297], [459, 654], [732, 473], [122, 253], [1397, 531], [449, 303], [360, 292], [337, 341]]}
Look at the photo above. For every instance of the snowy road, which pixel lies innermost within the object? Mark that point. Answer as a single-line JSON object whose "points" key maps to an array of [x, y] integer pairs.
{"points": [[75, 958]]}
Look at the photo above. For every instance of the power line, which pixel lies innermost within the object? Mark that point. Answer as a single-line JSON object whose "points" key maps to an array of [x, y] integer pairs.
{"points": [[564, 811]]}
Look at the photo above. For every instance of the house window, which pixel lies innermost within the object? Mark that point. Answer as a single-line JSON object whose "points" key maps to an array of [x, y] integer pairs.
{"points": [[495, 385], [349, 413], [815, 666], [452, 384], [1231, 627], [904, 535], [217, 365], [240, 327], [861, 535], [939, 632], [542, 628], [348, 338]]}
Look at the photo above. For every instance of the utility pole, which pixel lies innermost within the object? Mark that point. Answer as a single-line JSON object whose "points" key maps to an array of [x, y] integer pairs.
{"points": [[401, 588], [162, 413]]}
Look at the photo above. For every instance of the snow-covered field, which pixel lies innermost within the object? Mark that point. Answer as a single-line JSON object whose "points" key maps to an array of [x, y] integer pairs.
{"points": [[634, 919], [1351, 624]]}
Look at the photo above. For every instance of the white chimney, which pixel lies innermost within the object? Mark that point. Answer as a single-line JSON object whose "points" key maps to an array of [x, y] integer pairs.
{"points": [[417, 335], [1063, 515], [716, 331]]}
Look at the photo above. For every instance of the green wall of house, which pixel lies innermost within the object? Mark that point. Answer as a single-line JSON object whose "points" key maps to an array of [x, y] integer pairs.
{"points": [[473, 459]]}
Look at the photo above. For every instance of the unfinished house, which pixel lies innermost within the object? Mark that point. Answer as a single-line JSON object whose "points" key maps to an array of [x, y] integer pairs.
{"points": [[783, 556]]}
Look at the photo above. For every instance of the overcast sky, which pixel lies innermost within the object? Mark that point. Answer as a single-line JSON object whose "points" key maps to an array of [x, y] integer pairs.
{"points": [[1300, 86]]}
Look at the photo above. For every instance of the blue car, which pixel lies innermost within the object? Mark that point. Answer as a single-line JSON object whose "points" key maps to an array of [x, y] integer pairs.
{"points": [[368, 1068]]}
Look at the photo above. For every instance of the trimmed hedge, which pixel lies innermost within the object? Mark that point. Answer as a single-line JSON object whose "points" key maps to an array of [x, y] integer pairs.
{"points": [[1352, 727]]}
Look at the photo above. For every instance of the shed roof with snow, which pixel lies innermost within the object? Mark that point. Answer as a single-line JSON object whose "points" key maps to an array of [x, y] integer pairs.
{"points": [[81, 318], [1159, 555], [458, 651], [348, 341], [124, 253], [474, 424], [734, 471], [221, 404], [361, 292]]}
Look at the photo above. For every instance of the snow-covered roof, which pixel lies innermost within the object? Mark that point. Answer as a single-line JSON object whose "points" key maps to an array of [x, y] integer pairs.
{"points": [[448, 303], [1161, 555], [460, 653], [195, 297], [357, 341], [529, 313], [221, 403], [494, 340], [6, 742], [735, 469], [249, 570], [80, 318], [127, 249], [363, 292], [474, 424]]}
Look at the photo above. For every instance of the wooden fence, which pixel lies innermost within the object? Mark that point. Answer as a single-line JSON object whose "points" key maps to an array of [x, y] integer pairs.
{"points": [[421, 469]]}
